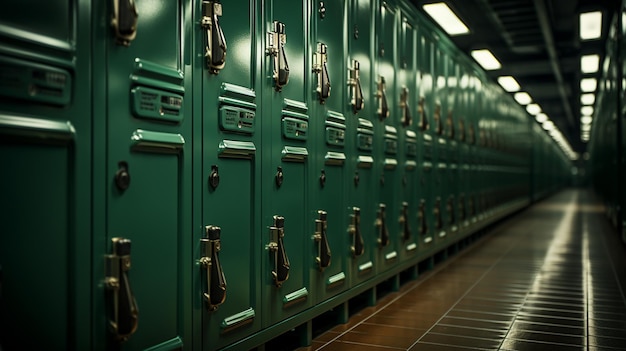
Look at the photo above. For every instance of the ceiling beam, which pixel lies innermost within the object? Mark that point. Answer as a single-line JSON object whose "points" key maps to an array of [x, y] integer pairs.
{"points": [[542, 15]]}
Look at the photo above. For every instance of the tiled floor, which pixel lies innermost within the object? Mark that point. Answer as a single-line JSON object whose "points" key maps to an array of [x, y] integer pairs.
{"points": [[551, 278]]}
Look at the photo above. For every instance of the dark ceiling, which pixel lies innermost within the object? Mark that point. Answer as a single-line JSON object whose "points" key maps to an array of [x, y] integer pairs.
{"points": [[538, 43]]}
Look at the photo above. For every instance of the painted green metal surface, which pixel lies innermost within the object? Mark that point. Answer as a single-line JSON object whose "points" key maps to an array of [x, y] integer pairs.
{"points": [[45, 146], [328, 171], [285, 158], [147, 173], [229, 178]]}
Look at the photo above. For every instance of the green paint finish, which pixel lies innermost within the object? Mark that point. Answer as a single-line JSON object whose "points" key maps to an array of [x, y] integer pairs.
{"points": [[231, 118], [360, 178], [285, 153]]}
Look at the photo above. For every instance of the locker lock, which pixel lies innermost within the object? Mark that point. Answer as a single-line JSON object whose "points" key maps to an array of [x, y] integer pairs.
{"points": [[124, 21], [321, 70], [354, 83], [404, 221], [320, 236], [214, 177], [358, 245], [381, 225], [323, 178], [215, 293], [280, 273], [279, 176], [122, 176]]}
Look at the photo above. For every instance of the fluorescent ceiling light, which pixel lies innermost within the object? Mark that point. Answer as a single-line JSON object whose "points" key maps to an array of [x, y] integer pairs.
{"points": [[486, 59], [533, 109], [585, 128], [446, 18], [586, 110], [586, 119], [590, 63], [508, 83], [590, 25], [588, 84], [522, 98], [541, 117], [587, 99], [548, 125]]}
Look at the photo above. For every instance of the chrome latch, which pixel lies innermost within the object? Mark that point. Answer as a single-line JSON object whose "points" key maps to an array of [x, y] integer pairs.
{"points": [[123, 311], [421, 111], [383, 107], [404, 221], [280, 273], [124, 21], [421, 216], [354, 83], [404, 106], [323, 250], [320, 69], [215, 48], [276, 40], [358, 246], [383, 232], [437, 119], [450, 125], [215, 293]]}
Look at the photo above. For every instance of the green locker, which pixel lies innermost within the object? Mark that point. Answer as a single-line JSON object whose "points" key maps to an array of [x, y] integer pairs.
{"points": [[407, 149], [388, 139], [451, 133], [360, 111], [426, 222], [142, 254], [285, 160], [442, 168], [226, 295], [45, 147], [329, 250]]}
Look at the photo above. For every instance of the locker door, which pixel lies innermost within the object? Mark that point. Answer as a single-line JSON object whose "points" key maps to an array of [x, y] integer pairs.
{"points": [[45, 146], [360, 138], [228, 173], [328, 166], [407, 149], [425, 124], [145, 118], [387, 136], [285, 155], [451, 133], [442, 170]]}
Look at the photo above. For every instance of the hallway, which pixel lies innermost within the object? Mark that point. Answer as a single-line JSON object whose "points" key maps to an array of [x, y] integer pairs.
{"points": [[550, 278]]}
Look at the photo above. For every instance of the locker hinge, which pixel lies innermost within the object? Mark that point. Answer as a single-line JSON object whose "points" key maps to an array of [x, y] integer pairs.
{"points": [[383, 106], [404, 221], [123, 311], [124, 21], [215, 49], [276, 40], [404, 106], [320, 59], [381, 225], [358, 246], [323, 250], [280, 273], [354, 83], [215, 293]]}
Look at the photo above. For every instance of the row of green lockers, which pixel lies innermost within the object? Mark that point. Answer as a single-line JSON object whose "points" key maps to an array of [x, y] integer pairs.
{"points": [[197, 175], [607, 146]]}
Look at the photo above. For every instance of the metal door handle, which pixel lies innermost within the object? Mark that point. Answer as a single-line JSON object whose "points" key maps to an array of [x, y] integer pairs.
{"points": [[422, 217], [421, 111], [383, 236], [124, 314], [437, 214], [124, 21], [276, 48], [320, 59], [383, 107], [437, 117], [215, 49], [280, 273], [404, 220], [358, 246], [450, 208], [215, 294], [450, 125], [404, 105], [354, 82], [323, 252]]}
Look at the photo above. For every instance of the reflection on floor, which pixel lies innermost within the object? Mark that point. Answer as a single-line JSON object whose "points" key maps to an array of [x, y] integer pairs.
{"points": [[550, 278]]}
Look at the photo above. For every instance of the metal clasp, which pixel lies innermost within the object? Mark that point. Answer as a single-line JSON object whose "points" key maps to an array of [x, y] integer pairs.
{"points": [[354, 82], [215, 49], [124, 21], [323, 251], [123, 314], [215, 293], [276, 40], [319, 67]]}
